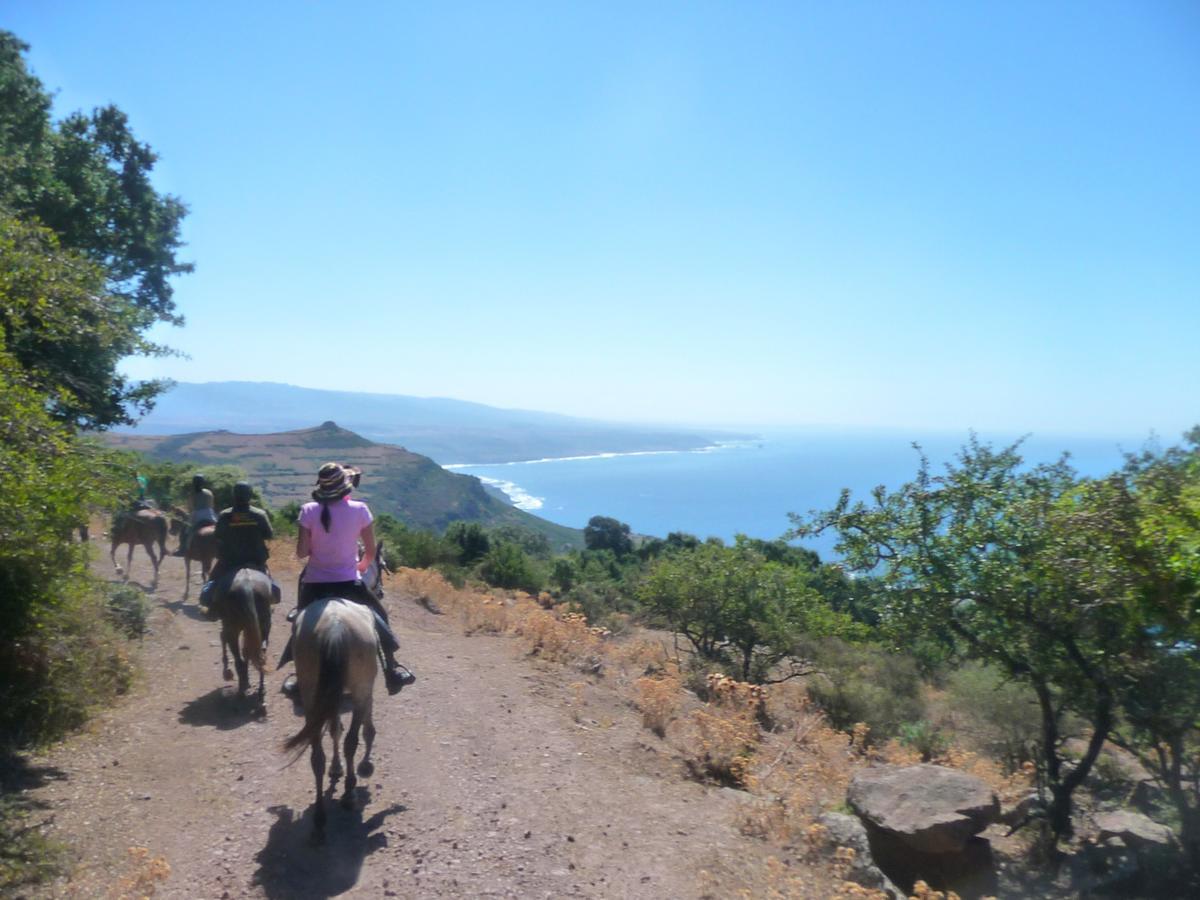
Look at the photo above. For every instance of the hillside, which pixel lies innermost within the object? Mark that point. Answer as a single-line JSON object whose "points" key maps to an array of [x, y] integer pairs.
{"points": [[449, 431], [407, 485]]}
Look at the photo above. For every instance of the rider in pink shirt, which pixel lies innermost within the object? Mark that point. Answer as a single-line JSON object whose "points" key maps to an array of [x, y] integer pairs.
{"points": [[331, 527]]}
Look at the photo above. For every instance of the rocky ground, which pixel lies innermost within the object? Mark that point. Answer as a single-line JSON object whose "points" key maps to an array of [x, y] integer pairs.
{"points": [[495, 776]]}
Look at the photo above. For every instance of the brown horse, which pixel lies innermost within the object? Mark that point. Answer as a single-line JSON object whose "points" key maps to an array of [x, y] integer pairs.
{"points": [[246, 612], [145, 527], [201, 548]]}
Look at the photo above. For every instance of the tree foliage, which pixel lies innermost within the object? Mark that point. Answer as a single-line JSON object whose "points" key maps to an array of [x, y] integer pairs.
{"points": [[470, 538], [731, 603], [1028, 568], [79, 190], [606, 533], [87, 248]]}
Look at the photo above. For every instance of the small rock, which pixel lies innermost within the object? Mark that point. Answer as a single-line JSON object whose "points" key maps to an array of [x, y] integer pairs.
{"points": [[528, 835]]}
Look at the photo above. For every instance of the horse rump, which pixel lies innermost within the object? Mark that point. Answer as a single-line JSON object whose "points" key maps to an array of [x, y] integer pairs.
{"points": [[333, 663]]}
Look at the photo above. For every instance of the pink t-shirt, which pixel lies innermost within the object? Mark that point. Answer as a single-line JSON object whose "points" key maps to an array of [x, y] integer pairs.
{"points": [[334, 552]]}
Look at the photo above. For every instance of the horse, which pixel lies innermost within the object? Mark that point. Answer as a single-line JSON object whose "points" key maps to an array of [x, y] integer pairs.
{"points": [[337, 652], [145, 527], [201, 548], [246, 612]]}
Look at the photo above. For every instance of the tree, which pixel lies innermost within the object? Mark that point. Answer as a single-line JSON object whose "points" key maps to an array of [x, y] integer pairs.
{"points": [[470, 539], [734, 605], [1006, 564], [606, 533], [86, 180], [1153, 543], [507, 566]]}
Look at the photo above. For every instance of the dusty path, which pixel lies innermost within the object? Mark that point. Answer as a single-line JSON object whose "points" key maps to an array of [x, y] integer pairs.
{"points": [[491, 780]]}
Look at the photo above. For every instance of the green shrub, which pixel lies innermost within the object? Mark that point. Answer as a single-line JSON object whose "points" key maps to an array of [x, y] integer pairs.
{"points": [[993, 715], [72, 660], [925, 738], [283, 520], [414, 548], [507, 566], [470, 539], [128, 610], [864, 683], [599, 601]]}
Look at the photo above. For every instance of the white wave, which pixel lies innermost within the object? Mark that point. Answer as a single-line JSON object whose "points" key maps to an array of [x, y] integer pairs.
{"points": [[710, 448], [520, 497]]}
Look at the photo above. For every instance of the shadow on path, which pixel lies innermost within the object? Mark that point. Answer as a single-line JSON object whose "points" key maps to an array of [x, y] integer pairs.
{"points": [[290, 866], [191, 610], [222, 709]]}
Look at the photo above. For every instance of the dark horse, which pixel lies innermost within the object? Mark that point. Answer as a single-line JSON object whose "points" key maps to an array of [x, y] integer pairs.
{"points": [[143, 526], [246, 612], [201, 548]]}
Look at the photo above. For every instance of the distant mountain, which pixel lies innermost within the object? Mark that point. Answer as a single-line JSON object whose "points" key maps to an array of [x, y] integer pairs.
{"points": [[411, 487], [449, 431]]}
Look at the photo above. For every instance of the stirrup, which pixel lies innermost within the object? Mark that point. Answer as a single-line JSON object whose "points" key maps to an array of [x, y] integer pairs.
{"points": [[398, 678]]}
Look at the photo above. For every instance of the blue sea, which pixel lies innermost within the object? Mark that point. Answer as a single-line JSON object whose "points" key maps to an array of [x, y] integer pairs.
{"points": [[749, 487]]}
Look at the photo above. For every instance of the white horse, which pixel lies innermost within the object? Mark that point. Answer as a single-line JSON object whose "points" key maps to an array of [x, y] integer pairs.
{"points": [[336, 652]]}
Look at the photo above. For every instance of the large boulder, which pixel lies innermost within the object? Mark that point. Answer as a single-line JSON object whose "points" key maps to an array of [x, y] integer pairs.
{"points": [[930, 809], [1134, 829]]}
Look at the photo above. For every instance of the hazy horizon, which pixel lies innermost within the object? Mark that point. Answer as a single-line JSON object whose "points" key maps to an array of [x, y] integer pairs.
{"points": [[928, 217], [752, 429]]}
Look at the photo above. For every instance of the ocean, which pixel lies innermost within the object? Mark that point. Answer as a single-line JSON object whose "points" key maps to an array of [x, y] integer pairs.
{"points": [[749, 487]]}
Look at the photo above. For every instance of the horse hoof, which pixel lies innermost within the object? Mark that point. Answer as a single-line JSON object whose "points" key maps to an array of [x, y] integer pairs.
{"points": [[366, 769], [228, 673]]}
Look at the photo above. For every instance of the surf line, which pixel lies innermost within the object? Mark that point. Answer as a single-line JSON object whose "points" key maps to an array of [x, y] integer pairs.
{"points": [[517, 495], [711, 448]]}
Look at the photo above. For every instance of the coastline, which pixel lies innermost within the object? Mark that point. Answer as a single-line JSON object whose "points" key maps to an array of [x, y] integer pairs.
{"points": [[520, 498]]}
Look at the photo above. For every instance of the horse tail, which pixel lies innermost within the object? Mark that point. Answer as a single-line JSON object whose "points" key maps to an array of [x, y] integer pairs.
{"points": [[252, 642], [333, 653]]}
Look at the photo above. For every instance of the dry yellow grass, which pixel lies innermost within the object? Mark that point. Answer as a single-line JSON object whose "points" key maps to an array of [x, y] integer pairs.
{"points": [[146, 871], [769, 740], [659, 698]]}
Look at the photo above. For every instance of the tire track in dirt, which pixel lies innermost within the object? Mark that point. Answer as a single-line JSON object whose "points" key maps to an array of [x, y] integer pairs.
{"points": [[485, 782]]}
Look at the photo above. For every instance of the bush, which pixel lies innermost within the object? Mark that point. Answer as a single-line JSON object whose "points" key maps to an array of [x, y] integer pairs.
{"points": [[992, 714], [599, 601], [507, 566], [414, 548], [470, 539], [284, 520], [532, 542], [128, 610], [863, 683], [71, 661], [925, 738]]}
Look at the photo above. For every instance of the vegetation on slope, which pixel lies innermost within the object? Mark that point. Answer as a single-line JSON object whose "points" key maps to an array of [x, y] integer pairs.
{"points": [[87, 248]]}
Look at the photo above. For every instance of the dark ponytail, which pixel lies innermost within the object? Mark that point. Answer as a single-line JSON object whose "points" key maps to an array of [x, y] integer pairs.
{"points": [[325, 515]]}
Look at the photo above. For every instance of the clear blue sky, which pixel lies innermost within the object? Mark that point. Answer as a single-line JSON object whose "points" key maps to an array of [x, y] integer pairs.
{"points": [[943, 215]]}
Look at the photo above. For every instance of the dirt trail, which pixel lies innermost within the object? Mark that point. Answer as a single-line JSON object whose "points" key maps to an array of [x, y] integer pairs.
{"points": [[485, 783]]}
